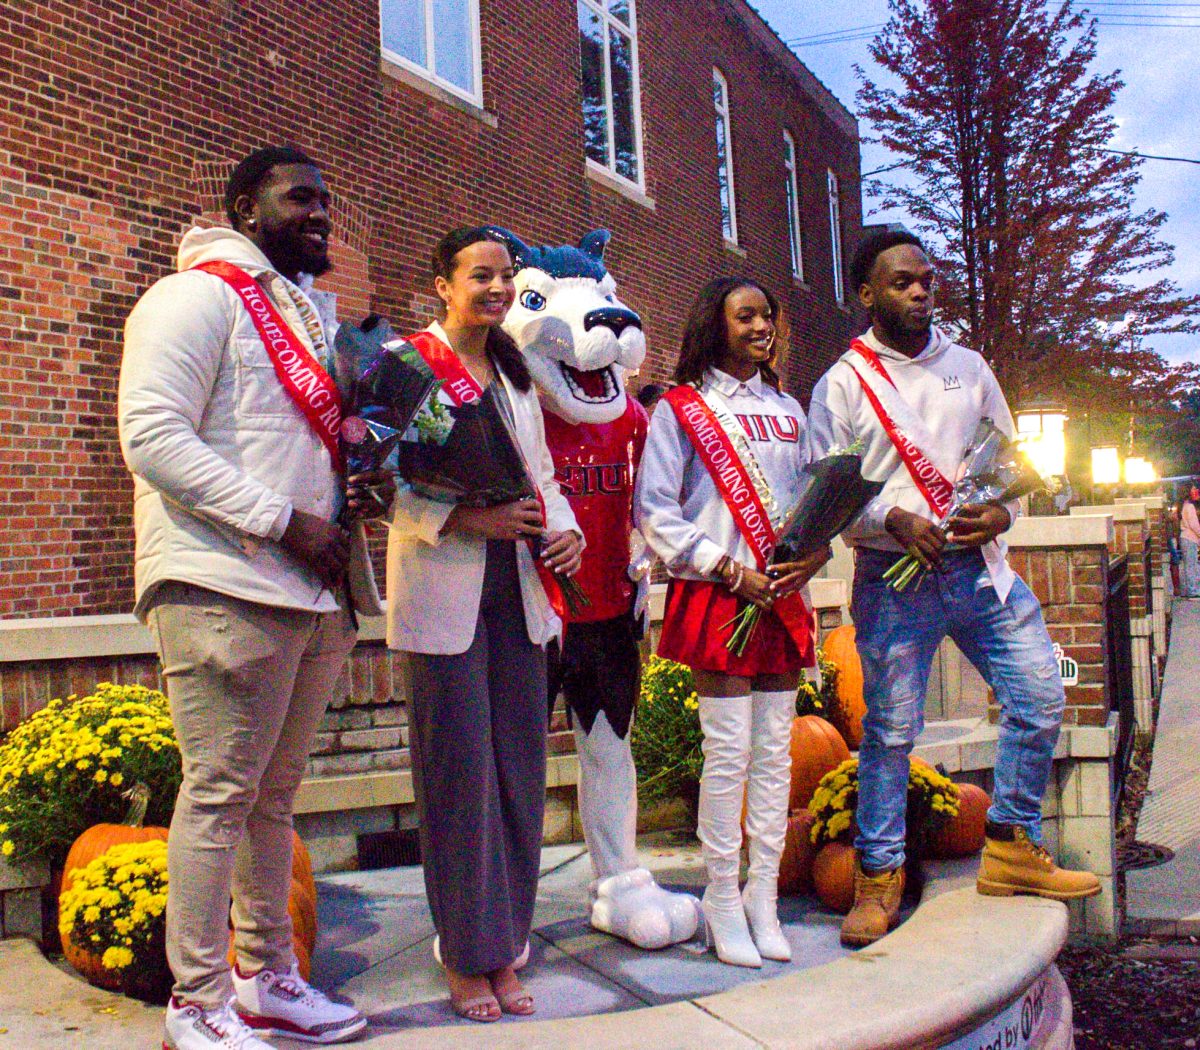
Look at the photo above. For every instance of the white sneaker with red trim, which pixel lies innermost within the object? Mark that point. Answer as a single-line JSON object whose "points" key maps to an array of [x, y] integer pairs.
{"points": [[286, 1004], [192, 1027]]}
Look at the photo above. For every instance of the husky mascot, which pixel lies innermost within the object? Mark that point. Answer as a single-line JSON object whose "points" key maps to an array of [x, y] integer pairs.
{"points": [[579, 341]]}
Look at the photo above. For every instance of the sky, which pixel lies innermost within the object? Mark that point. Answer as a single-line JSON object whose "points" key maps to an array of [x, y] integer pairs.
{"points": [[1152, 42]]}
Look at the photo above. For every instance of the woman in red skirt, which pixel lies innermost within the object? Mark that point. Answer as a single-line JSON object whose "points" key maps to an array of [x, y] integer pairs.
{"points": [[723, 461]]}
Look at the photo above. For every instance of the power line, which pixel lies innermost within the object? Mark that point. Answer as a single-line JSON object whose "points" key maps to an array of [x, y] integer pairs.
{"points": [[1097, 149], [1146, 156]]}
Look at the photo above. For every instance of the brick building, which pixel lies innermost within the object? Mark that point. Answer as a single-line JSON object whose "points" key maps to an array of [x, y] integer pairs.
{"points": [[685, 126]]}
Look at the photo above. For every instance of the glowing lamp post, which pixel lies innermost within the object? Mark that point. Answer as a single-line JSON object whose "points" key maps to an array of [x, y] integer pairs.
{"points": [[1139, 471], [1042, 433], [1106, 465]]}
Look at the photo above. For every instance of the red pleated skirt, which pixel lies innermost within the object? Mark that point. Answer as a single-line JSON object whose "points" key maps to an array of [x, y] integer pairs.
{"points": [[694, 633]]}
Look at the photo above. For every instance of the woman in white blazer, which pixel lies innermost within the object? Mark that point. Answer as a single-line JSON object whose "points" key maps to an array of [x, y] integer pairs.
{"points": [[466, 606]]}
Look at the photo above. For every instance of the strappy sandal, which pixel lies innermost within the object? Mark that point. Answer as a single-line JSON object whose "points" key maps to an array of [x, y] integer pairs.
{"points": [[480, 1008], [470, 1008], [517, 1001]]}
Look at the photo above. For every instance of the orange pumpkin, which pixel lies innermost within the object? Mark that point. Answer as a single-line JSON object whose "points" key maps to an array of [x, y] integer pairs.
{"points": [[839, 649], [302, 865], [302, 907], [94, 842], [817, 747], [796, 864], [963, 834], [833, 876]]}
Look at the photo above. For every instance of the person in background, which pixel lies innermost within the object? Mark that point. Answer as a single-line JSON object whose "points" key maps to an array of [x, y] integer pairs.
{"points": [[648, 396], [1189, 542], [245, 581], [914, 399], [729, 415], [467, 609]]}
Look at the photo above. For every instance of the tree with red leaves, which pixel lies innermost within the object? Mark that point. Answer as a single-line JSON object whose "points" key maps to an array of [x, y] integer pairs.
{"points": [[1044, 265]]}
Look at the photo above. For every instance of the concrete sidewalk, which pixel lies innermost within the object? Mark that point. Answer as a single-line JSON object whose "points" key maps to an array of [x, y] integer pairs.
{"points": [[1165, 900]]}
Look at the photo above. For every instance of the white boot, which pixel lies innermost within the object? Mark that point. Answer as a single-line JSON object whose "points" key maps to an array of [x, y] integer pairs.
{"points": [[767, 793], [626, 901], [725, 721]]}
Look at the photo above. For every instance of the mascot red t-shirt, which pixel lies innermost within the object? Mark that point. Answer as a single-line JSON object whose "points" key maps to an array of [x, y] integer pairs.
{"points": [[595, 467]]}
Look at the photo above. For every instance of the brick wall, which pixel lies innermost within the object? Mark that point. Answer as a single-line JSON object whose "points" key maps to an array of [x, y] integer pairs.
{"points": [[1072, 584], [120, 120], [1132, 538]]}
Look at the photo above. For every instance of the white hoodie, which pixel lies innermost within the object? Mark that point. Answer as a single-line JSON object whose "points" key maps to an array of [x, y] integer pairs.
{"points": [[219, 452], [950, 388]]}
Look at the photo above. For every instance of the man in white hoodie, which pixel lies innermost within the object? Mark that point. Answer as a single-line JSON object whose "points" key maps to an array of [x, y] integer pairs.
{"points": [[914, 399], [228, 422]]}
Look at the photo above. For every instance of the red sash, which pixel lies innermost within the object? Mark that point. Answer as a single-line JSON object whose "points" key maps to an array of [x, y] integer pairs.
{"points": [[307, 383], [462, 388], [932, 483], [729, 474]]}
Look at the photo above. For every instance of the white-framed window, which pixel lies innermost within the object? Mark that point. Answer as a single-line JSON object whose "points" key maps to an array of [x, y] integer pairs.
{"points": [[791, 179], [437, 39], [725, 157], [612, 110], [835, 236]]}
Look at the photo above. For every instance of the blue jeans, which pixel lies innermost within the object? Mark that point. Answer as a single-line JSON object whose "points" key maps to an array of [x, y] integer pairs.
{"points": [[1191, 568], [897, 637]]}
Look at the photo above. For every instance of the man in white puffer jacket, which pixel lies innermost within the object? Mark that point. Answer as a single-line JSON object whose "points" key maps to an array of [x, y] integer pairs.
{"points": [[244, 578]]}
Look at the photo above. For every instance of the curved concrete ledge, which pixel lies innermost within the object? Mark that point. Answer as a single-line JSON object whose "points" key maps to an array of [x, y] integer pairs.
{"points": [[957, 962]]}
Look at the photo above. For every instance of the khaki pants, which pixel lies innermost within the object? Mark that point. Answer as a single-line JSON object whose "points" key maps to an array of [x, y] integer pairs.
{"points": [[248, 685]]}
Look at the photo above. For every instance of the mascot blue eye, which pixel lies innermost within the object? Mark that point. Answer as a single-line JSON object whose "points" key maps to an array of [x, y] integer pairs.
{"points": [[532, 300]]}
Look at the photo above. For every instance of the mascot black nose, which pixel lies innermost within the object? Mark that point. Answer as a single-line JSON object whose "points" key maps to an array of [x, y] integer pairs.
{"points": [[615, 317]]}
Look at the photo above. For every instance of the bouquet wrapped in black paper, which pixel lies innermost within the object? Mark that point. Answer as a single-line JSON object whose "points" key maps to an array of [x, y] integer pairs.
{"points": [[993, 470], [834, 495], [401, 416]]}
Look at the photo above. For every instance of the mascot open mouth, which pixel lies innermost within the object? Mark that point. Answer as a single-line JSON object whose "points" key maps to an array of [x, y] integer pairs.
{"points": [[597, 387]]}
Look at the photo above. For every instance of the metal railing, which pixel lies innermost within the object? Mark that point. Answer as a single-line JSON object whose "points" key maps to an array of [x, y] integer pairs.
{"points": [[1120, 666]]}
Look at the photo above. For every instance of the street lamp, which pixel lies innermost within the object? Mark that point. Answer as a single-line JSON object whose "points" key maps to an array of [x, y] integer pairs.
{"points": [[1139, 471], [1042, 434], [1106, 465]]}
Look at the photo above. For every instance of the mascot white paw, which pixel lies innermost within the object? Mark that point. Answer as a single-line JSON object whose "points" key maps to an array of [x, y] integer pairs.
{"points": [[579, 341], [633, 906]]}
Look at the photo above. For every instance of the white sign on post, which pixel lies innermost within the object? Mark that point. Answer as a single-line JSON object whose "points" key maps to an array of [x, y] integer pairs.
{"points": [[1068, 669]]}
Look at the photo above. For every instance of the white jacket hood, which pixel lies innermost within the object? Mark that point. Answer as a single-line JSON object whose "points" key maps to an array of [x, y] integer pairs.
{"points": [[200, 245]]}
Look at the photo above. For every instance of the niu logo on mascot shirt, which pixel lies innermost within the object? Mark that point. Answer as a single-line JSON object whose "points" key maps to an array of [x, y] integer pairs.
{"points": [[771, 428], [608, 479]]}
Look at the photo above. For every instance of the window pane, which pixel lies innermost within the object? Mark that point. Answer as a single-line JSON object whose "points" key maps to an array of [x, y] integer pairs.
{"points": [[723, 179], [835, 233], [403, 25], [718, 93], [619, 9], [452, 45], [624, 130], [793, 219], [591, 59]]}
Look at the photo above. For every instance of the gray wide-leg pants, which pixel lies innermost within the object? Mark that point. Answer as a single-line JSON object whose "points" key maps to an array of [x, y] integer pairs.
{"points": [[478, 737]]}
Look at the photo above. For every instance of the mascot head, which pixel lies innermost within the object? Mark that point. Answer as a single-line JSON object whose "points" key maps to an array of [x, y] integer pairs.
{"points": [[577, 338]]}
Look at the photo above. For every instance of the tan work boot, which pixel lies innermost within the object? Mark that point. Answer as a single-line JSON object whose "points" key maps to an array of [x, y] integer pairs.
{"points": [[876, 905], [1013, 863]]}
